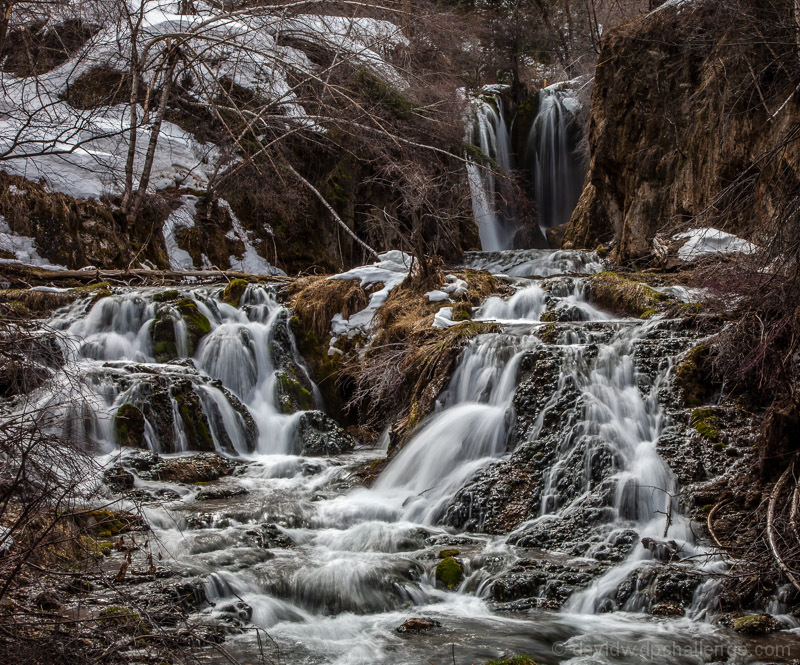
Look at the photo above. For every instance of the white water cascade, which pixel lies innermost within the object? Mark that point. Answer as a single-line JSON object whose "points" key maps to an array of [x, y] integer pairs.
{"points": [[555, 397], [556, 171], [489, 132]]}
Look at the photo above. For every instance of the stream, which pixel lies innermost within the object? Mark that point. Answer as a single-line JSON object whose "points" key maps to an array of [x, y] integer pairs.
{"points": [[570, 409]]}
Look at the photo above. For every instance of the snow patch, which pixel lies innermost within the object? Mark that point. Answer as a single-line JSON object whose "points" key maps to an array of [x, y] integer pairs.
{"points": [[708, 241], [390, 270], [23, 248], [182, 218], [251, 262]]}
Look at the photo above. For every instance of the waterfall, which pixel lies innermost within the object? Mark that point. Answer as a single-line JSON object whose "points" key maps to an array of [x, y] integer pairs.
{"points": [[489, 132], [230, 380], [558, 389], [556, 171]]}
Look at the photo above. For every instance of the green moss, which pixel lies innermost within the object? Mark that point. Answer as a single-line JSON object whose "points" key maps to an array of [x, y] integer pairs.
{"points": [[443, 554], [623, 295], [162, 330], [122, 619], [462, 312], [107, 523], [292, 396], [474, 154], [129, 425], [232, 295], [548, 334], [196, 322], [647, 313], [516, 660], [693, 376], [195, 425], [548, 316], [706, 423], [756, 624], [449, 572], [165, 296]]}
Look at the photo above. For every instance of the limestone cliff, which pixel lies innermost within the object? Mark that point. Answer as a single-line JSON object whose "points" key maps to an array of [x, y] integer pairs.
{"points": [[693, 123]]}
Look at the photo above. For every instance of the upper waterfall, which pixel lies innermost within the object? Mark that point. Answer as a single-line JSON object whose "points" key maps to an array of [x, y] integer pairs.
{"points": [[556, 170]]}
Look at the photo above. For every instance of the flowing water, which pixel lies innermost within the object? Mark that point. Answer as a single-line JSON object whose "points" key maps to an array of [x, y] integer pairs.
{"points": [[556, 170], [330, 568]]}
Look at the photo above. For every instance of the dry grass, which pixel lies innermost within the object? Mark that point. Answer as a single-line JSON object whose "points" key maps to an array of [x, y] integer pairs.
{"points": [[316, 300]]}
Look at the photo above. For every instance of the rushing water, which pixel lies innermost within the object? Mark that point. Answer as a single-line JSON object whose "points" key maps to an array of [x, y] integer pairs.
{"points": [[556, 170], [362, 560]]}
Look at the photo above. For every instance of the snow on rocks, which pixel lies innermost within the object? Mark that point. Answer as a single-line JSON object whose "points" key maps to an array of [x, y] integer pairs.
{"points": [[453, 287], [250, 262], [23, 248], [182, 218], [390, 270], [82, 152], [709, 241]]}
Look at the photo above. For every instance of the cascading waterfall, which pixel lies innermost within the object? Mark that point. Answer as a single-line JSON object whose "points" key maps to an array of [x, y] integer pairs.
{"points": [[556, 171], [331, 569], [111, 345], [489, 132]]}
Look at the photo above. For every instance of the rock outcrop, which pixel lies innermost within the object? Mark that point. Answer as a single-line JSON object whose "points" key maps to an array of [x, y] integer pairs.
{"points": [[688, 128]]}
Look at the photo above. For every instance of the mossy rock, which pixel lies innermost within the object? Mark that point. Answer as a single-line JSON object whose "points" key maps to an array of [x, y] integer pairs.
{"points": [[755, 624], [693, 376], [706, 423], [162, 330], [444, 554], [105, 524], [232, 295], [195, 423], [462, 312], [624, 296], [292, 396], [449, 572], [166, 296], [129, 426], [516, 660], [122, 619]]}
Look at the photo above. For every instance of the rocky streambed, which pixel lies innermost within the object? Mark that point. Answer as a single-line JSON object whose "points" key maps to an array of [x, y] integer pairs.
{"points": [[550, 504]]}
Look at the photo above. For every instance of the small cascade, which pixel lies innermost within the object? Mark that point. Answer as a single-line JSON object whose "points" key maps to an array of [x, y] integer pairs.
{"points": [[556, 171], [489, 132], [220, 389]]}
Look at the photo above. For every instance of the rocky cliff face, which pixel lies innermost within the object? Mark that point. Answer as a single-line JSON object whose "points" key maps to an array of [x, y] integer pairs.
{"points": [[692, 121]]}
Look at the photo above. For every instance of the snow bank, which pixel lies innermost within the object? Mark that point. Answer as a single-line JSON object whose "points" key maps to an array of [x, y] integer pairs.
{"points": [[708, 241], [82, 153], [22, 247], [390, 270]]}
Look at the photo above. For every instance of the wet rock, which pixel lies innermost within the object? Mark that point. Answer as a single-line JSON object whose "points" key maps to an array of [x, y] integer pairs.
{"points": [[755, 624], [651, 585], [294, 390], [129, 427], [320, 435], [417, 625], [118, 479], [205, 467], [449, 573], [273, 538], [220, 492], [667, 610], [662, 550], [184, 313], [49, 600], [234, 291], [548, 584]]}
